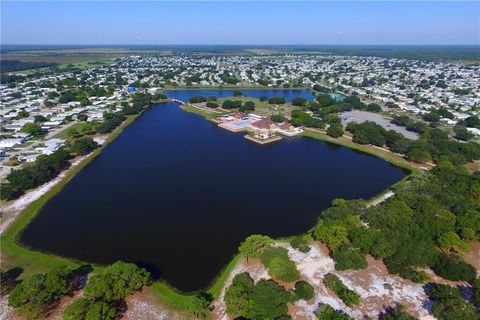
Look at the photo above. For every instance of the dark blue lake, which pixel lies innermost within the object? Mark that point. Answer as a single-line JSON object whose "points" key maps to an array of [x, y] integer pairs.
{"points": [[185, 95], [179, 194]]}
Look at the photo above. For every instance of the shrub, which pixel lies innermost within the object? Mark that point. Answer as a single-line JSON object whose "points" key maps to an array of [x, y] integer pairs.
{"points": [[212, 105], [264, 300], [82, 146], [197, 99], [348, 296], [301, 244], [349, 258], [453, 268], [84, 309], [326, 312], [279, 265], [335, 131], [276, 100], [278, 118], [299, 101], [449, 304], [303, 291], [414, 275], [333, 235], [254, 245]]}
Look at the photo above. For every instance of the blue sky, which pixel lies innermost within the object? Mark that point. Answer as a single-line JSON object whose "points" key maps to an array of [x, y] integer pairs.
{"points": [[358, 22]]}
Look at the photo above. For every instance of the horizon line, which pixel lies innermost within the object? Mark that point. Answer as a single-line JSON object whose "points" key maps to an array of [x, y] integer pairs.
{"points": [[238, 44]]}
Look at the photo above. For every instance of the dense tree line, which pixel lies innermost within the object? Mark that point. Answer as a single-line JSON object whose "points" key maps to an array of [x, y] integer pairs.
{"points": [[434, 145], [16, 65], [237, 104]]}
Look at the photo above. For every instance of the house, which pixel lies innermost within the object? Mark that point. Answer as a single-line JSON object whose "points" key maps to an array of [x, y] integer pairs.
{"points": [[10, 143], [264, 125]]}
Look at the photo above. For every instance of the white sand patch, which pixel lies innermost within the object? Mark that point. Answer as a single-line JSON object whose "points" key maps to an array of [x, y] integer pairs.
{"points": [[388, 289], [100, 140], [138, 309], [6, 312], [12, 209]]}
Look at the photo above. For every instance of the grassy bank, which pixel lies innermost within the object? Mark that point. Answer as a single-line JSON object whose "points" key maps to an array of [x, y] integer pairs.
{"points": [[175, 299], [388, 156]]}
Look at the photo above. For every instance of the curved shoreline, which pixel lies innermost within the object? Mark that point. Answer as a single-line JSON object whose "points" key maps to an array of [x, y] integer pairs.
{"points": [[32, 261]]}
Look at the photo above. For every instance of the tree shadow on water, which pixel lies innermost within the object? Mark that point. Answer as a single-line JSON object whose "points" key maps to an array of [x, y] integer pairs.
{"points": [[152, 268], [9, 280]]}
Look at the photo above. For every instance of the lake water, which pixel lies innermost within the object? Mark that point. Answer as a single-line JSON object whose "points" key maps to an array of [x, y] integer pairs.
{"points": [[178, 194], [185, 95]]}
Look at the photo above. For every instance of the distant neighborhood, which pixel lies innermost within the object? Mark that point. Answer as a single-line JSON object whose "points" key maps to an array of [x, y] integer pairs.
{"points": [[40, 110]]}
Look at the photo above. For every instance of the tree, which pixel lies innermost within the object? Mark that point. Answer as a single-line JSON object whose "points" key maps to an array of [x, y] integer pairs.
{"points": [[278, 118], [472, 122], [462, 133], [299, 101], [269, 300], [197, 306], [22, 114], [279, 265], [349, 297], [82, 146], [39, 118], [116, 282], [419, 155], [84, 101], [334, 236], [397, 313], [451, 240], [349, 258], [82, 117], [32, 128], [326, 312], [276, 100], [34, 294], [254, 245], [374, 107], [454, 268], [238, 294], [264, 300], [85, 309], [197, 99], [449, 304], [212, 105], [335, 131], [303, 291]]}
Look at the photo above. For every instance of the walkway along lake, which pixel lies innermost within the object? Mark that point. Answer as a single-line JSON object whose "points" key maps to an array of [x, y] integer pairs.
{"points": [[179, 194]]}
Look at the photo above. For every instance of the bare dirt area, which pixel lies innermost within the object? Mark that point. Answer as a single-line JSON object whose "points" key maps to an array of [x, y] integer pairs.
{"points": [[376, 287], [143, 305], [473, 255]]}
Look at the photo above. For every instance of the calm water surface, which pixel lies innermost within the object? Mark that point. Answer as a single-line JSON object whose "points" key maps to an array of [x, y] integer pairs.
{"points": [[178, 194]]}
